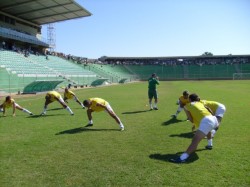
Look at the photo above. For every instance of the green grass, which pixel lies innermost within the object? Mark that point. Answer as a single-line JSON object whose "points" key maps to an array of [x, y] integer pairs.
{"points": [[56, 150]]}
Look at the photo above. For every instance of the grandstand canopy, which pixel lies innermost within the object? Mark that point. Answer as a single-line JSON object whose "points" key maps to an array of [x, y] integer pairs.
{"points": [[43, 11]]}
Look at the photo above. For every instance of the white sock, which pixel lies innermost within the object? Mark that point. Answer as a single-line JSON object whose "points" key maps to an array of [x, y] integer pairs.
{"points": [[90, 121], [26, 111], [213, 133], [82, 105], [150, 105], [210, 142], [178, 110], [67, 108], [121, 125], [184, 156], [155, 105], [44, 110]]}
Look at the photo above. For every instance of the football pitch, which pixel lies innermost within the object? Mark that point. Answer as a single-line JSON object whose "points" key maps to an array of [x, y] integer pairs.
{"points": [[57, 150]]}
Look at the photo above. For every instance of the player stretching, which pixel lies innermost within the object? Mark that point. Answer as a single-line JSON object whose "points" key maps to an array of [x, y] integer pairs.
{"points": [[98, 105], [218, 111], [55, 96], [71, 95], [183, 100], [201, 119], [11, 103]]}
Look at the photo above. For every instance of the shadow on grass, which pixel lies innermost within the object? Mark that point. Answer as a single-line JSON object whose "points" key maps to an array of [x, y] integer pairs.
{"points": [[55, 109], [166, 157], [172, 121], [135, 112], [184, 135], [83, 129], [47, 115]]}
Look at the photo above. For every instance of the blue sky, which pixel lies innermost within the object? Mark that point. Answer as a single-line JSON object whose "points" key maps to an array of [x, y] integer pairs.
{"points": [[150, 28]]}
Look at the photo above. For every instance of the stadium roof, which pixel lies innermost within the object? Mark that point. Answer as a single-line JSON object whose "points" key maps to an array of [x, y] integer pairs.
{"points": [[43, 11]]}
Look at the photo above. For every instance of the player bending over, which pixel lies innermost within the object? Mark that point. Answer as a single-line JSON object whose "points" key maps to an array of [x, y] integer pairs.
{"points": [[98, 105], [71, 95], [11, 103], [55, 96]]}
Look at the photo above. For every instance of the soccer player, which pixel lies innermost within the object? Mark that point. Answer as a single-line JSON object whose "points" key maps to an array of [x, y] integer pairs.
{"points": [[218, 110], [52, 96], [183, 100], [71, 95], [203, 120], [9, 102], [152, 91], [98, 105]]}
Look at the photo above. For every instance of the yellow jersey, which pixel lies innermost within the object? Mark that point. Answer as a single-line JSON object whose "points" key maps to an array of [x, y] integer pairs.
{"points": [[53, 95], [69, 95], [95, 107], [198, 112], [213, 105], [8, 104], [183, 100]]}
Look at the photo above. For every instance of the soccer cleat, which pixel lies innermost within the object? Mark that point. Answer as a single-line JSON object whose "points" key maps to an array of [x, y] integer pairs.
{"points": [[209, 147], [42, 114], [89, 125], [121, 128], [155, 108], [177, 160], [31, 114]]}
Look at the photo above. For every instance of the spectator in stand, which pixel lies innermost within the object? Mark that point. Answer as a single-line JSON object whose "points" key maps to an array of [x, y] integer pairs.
{"points": [[3, 44]]}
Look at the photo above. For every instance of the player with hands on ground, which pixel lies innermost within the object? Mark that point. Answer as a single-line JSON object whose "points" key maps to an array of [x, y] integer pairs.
{"points": [[98, 105]]}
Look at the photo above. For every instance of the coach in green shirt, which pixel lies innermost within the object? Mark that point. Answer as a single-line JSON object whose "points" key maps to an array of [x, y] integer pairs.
{"points": [[152, 91]]}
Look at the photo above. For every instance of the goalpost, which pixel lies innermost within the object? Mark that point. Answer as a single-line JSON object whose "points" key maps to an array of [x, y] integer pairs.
{"points": [[241, 76]]}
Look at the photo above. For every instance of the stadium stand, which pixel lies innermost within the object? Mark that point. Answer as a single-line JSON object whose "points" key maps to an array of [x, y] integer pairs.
{"points": [[34, 67], [20, 36], [114, 73], [15, 35], [184, 67]]}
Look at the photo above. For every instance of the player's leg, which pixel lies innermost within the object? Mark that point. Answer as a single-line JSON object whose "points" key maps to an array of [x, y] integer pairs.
{"points": [[219, 115], [77, 100], [1, 108], [61, 101], [150, 97], [47, 102], [113, 115], [155, 95], [179, 109], [206, 125], [89, 114], [22, 109]]}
